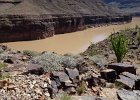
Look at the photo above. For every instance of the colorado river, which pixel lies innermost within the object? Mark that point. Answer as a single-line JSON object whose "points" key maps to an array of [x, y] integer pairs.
{"points": [[74, 42]]}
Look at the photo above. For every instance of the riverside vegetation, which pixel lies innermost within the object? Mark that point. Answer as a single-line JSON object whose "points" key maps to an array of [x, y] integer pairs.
{"points": [[120, 45], [105, 71]]}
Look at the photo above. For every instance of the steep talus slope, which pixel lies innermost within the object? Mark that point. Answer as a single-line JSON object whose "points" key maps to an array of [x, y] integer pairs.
{"points": [[128, 6], [96, 7], [37, 19]]}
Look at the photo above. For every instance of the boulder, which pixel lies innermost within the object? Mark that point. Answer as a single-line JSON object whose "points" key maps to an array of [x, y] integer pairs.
{"points": [[127, 95], [122, 67], [62, 76], [83, 68], [126, 82], [70, 90], [9, 61], [109, 74], [35, 69], [73, 74], [95, 81], [137, 84], [3, 47], [56, 82], [52, 91]]}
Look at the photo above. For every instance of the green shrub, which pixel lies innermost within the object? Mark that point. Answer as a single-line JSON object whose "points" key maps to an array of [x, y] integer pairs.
{"points": [[2, 65], [120, 45], [31, 53], [51, 61], [81, 88], [136, 28], [4, 75], [98, 59], [92, 52], [71, 61]]}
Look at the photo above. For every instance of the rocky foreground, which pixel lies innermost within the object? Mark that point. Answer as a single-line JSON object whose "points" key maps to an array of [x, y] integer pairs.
{"points": [[37, 19], [93, 75], [104, 49]]}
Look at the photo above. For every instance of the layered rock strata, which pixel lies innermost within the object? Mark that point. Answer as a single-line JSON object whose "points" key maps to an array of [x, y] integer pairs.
{"points": [[32, 19]]}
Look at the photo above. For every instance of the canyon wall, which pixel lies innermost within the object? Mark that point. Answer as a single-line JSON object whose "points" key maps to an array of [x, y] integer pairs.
{"points": [[128, 6], [28, 20]]}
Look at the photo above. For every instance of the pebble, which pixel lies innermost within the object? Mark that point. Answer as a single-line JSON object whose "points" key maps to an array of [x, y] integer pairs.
{"points": [[47, 94], [38, 91], [34, 82], [45, 85], [25, 88], [31, 86]]}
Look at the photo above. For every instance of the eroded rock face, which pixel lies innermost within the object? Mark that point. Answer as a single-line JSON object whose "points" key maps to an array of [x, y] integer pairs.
{"points": [[33, 19]]}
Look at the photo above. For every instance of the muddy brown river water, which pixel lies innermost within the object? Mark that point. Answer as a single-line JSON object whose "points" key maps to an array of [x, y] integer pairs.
{"points": [[74, 42]]}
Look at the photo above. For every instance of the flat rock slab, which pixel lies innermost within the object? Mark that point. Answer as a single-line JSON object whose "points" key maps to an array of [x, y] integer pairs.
{"points": [[15, 67], [35, 69], [135, 78], [127, 82], [127, 95], [63, 77], [132, 76], [87, 98], [122, 67]]}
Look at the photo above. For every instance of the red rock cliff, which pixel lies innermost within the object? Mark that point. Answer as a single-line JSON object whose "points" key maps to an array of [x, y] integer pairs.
{"points": [[38, 19]]}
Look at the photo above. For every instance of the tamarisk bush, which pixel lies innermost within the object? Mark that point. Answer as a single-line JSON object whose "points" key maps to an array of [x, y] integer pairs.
{"points": [[120, 43]]}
